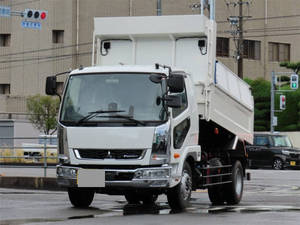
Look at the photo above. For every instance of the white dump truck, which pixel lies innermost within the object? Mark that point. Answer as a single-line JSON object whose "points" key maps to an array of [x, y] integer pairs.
{"points": [[154, 114]]}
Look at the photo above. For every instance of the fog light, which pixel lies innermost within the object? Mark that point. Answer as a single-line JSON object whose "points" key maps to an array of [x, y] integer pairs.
{"points": [[152, 174]]}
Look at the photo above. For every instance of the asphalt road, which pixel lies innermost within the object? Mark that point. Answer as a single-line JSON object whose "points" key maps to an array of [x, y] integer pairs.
{"points": [[271, 197]]}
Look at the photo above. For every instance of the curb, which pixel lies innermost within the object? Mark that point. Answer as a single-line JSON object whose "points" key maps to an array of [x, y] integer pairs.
{"points": [[38, 183]]}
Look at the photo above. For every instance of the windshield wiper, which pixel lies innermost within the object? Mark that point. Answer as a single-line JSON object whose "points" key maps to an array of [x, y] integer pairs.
{"points": [[95, 113], [125, 117]]}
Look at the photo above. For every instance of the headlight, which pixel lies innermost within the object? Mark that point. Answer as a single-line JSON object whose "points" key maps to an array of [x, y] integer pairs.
{"points": [[66, 172], [285, 152], [161, 139]]}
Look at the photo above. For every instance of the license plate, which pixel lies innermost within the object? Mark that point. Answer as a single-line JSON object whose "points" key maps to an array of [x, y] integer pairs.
{"points": [[292, 163], [90, 178]]}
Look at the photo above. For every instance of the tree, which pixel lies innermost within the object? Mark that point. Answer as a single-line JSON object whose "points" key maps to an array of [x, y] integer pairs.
{"points": [[43, 111], [261, 95], [295, 66]]}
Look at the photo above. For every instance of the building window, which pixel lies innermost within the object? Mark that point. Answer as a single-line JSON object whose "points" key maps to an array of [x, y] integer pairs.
{"points": [[222, 47], [279, 52], [57, 36], [251, 49], [4, 89], [5, 40]]}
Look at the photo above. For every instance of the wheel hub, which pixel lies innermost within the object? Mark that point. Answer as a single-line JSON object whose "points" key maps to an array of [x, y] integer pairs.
{"points": [[186, 185]]}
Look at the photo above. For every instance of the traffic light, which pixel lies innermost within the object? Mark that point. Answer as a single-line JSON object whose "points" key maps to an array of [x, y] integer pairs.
{"points": [[282, 102], [294, 81], [34, 14]]}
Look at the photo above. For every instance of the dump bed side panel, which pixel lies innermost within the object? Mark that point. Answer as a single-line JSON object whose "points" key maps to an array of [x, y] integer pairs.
{"points": [[229, 103]]}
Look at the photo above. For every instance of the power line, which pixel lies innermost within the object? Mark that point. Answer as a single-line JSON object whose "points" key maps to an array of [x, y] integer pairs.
{"points": [[46, 49], [38, 58], [270, 29], [265, 18], [46, 60]]}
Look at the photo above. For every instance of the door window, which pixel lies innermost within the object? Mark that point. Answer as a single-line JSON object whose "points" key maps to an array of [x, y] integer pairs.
{"points": [[261, 141]]}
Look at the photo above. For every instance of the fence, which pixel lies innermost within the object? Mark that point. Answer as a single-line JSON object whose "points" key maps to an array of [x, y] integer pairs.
{"points": [[33, 152]]}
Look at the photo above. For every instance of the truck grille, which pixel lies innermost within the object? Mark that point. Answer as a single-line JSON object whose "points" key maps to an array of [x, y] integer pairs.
{"points": [[115, 176], [109, 154]]}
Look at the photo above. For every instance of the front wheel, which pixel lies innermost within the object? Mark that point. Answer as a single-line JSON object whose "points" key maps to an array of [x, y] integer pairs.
{"points": [[234, 190], [180, 195], [81, 198], [277, 164]]}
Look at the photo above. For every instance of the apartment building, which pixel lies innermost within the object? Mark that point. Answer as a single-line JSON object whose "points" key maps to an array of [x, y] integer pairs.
{"points": [[28, 56]]}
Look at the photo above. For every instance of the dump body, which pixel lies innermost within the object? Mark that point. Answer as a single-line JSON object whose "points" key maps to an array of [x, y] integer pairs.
{"points": [[185, 43]]}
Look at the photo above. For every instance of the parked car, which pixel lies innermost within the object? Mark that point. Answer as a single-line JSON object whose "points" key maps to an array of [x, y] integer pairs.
{"points": [[273, 150]]}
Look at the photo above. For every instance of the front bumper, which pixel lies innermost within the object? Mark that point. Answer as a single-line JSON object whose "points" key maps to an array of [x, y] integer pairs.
{"points": [[292, 163], [152, 177]]}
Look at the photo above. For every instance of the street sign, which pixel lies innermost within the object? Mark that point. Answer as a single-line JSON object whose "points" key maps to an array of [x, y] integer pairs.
{"points": [[275, 121], [32, 25], [5, 11]]}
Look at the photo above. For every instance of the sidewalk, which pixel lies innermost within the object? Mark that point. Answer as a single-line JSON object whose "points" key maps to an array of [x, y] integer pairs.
{"points": [[28, 178]]}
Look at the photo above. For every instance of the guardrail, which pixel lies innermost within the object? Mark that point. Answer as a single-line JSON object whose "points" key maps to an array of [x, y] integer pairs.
{"points": [[29, 154]]}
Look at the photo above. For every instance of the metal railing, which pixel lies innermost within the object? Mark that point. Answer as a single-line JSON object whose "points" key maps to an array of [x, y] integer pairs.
{"points": [[39, 153]]}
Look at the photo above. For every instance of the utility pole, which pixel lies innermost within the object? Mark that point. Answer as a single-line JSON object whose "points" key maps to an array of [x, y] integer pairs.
{"points": [[273, 83], [241, 39], [236, 22]]}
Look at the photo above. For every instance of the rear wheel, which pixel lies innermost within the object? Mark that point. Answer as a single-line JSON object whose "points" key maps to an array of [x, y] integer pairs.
{"points": [[81, 198], [234, 190], [180, 195], [278, 164]]}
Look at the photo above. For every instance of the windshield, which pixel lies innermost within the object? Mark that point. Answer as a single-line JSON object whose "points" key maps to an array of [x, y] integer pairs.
{"points": [[107, 96], [281, 141]]}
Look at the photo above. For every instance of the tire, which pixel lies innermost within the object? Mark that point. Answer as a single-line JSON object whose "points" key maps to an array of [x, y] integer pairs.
{"points": [[216, 193], [180, 195], [277, 164], [234, 190], [81, 198]]}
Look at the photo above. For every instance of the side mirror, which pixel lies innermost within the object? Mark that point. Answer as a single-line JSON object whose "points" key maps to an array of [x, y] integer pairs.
{"points": [[51, 85], [173, 101], [175, 83]]}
